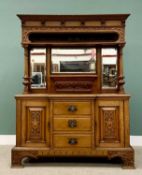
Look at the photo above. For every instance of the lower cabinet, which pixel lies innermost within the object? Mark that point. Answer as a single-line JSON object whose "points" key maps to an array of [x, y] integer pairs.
{"points": [[78, 126]]}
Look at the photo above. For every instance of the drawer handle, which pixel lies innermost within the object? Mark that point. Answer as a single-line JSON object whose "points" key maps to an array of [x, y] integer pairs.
{"points": [[72, 108], [72, 141], [72, 123]]}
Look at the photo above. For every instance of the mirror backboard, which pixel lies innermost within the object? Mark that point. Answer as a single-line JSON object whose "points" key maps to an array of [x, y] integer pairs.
{"points": [[74, 60]]}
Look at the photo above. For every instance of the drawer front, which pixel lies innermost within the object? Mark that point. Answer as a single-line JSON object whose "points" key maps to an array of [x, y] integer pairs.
{"points": [[72, 107], [71, 141], [72, 124]]}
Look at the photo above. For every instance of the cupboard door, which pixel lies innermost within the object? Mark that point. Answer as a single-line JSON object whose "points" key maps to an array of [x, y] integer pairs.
{"points": [[109, 124], [35, 131]]}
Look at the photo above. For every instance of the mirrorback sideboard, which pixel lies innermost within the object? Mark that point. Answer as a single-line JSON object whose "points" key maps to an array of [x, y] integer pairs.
{"points": [[73, 103]]}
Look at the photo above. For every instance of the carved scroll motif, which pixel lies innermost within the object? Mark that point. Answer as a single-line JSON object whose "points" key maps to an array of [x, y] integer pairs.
{"points": [[77, 86], [127, 157]]}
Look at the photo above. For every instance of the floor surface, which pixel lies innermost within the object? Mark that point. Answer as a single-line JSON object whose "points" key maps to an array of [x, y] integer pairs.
{"points": [[67, 168]]}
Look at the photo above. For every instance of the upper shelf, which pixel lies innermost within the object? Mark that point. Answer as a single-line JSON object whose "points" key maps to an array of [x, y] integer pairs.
{"points": [[73, 29], [88, 17]]}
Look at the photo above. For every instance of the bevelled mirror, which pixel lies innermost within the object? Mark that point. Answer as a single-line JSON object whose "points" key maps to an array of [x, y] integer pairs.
{"points": [[38, 67], [73, 60], [109, 67]]}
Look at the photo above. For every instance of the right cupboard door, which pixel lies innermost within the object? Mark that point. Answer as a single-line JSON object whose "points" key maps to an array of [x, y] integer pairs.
{"points": [[109, 124]]}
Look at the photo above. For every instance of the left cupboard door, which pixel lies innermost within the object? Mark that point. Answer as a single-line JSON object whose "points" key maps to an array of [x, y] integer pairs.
{"points": [[35, 123]]}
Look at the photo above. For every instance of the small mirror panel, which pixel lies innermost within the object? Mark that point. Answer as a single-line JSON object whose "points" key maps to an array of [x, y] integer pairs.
{"points": [[38, 67], [109, 68], [76, 60]]}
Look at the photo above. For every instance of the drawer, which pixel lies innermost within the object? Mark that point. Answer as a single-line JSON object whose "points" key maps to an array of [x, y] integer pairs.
{"points": [[72, 107], [72, 124], [70, 141]]}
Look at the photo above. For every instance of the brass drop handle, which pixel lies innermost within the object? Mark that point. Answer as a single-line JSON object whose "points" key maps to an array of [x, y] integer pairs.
{"points": [[72, 108], [72, 141], [72, 123]]}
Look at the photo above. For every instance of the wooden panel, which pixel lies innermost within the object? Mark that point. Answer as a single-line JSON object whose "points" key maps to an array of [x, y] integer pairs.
{"points": [[127, 123], [18, 122], [72, 124], [32, 23], [113, 23], [72, 141], [93, 23], [35, 122], [53, 23], [72, 23], [110, 131], [78, 107]]}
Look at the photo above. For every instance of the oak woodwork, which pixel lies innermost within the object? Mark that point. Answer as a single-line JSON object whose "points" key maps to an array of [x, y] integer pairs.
{"points": [[72, 123], [64, 107], [73, 115], [72, 141], [110, 124], [26, 77], [126, 156], [34, 123]]}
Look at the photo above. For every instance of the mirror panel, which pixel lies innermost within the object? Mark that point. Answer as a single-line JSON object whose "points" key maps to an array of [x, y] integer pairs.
{"points": [[109, 68], [38, 67], [74, 60]]}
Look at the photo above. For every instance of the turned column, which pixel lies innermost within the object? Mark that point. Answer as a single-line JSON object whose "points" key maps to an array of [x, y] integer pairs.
{"points": [[99, 68], [26, 77], [121, 81]]}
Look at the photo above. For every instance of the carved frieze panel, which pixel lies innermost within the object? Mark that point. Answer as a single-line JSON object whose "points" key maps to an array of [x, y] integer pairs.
{"points": [[73, 86]]}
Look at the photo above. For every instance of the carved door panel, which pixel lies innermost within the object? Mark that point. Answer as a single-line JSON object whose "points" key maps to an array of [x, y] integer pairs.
{"points": [[35, 119], [109, 124]]}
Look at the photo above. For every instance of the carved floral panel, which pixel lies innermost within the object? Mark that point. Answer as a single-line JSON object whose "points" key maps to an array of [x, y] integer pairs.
{"points": [[35, 124], [109, 124]]}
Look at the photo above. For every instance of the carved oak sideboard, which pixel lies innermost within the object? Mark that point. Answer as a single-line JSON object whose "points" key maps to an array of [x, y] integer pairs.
{"points": [[74, 103]]}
